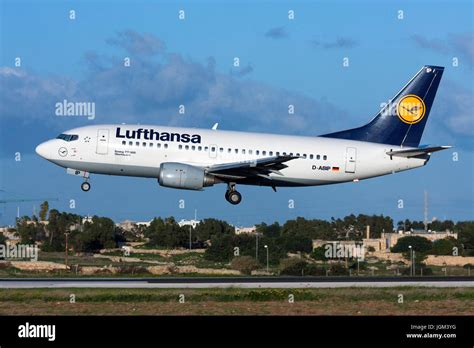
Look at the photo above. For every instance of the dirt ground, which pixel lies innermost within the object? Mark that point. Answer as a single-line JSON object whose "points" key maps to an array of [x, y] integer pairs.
{"points": [[238, 302], [238, 308]]}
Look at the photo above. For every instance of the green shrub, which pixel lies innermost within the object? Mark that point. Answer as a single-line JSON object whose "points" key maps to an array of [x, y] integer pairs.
{"points": [[292, 266], [338, 269], [244, 264], [314, 270]]}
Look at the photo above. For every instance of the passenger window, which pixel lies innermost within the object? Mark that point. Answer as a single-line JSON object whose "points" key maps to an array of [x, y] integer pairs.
{"points": [[278, 153], [229, 150], [284, 153], [166, 146], [130, 143], [199, 148], [213, 149], [137, 143], [124, 142], [271, 153], [144, 144], [311, 156], [318, 157], [298, 154], [158, 145], [187, 147], [193, 147], [180, 147], [250, 152], [243, 151], [325, 157], [206, 148], [264, 153], [236, 150], [221, 149], [257, 152], [304, 156]]}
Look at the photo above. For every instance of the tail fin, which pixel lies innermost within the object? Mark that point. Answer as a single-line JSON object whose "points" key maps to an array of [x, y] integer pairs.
{"points": [[402, 121]]}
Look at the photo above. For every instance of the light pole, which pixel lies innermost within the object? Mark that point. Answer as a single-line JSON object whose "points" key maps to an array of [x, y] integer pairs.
{"points": [[256, 246], [190, 228], [266, 247], [66, 254], [414, 263], [411, 260]]}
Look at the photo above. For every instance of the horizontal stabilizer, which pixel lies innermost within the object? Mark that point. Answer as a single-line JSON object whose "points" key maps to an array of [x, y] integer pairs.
{"points": [[417, 152]]}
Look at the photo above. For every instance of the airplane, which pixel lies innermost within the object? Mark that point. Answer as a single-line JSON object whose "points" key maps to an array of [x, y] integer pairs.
{"points": [[192, 158]]}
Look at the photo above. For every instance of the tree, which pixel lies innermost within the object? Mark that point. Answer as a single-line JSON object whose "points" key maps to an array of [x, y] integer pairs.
{"points": [[271, 231], [44, 207], [28, 231], [59, 223], [208, 228], [297, 243], [417, 243], [312, 229], [167, 233], [446, 246], [446, 225], [420, 245], [319, 253], [99, 234], [221, 248], [465, 230], [244, 264]]}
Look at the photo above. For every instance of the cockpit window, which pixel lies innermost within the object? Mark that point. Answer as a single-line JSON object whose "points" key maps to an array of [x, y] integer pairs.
{"points": [[68, 137]]}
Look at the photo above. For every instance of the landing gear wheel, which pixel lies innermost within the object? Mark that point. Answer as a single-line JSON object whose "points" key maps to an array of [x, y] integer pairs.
{"points": [[85, 186], [233, 197]]}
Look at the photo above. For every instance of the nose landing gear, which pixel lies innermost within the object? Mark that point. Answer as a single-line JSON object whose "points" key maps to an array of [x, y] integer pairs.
{"points": [[232, 195]]}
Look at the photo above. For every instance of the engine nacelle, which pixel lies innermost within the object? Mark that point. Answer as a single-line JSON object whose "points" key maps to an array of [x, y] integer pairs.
{"points": [[184, 176]]}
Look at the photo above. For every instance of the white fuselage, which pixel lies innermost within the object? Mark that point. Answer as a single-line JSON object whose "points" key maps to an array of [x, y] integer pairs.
{"points": [[97, 149]]}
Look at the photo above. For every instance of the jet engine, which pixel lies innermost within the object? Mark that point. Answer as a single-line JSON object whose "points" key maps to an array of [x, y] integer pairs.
{"points": [[184, 176]]}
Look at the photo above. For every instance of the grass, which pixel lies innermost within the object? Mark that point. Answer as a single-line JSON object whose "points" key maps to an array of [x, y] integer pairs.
{"points": [[232, 301]]}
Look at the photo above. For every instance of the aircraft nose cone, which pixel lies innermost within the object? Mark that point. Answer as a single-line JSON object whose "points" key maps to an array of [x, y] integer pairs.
{"points": [[42, 150]]}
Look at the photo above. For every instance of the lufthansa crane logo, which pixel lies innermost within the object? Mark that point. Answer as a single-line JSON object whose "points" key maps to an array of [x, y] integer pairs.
{"points": [[411, 109]]}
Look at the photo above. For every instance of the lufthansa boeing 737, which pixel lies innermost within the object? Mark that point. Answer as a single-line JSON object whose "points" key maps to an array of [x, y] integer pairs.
{"points": [[189, 158]]}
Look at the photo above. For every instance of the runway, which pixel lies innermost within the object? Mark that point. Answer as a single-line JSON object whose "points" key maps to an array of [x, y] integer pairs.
{"points": [[237, 282]]}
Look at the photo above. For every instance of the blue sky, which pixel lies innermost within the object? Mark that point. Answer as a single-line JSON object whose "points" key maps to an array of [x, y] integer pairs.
{"points": [[190, 62]]}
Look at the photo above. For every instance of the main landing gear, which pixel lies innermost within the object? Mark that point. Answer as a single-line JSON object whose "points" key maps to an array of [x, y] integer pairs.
{"points": [[232, 195], [85, 186]]}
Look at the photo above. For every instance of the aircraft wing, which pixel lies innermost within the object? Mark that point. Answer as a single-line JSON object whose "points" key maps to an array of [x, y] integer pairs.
{"points": [[244, 169], [417, 152]]}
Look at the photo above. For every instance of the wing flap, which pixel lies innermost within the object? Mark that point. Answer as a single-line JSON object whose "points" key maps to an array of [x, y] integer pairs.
{"points": [[258, 167]]}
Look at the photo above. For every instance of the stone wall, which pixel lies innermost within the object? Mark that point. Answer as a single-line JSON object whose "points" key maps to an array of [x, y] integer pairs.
{"points": [[447, 260]]}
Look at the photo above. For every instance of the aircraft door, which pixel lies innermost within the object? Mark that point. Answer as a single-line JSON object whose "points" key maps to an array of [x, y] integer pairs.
{"points": [[102, 141], [351, 159]]}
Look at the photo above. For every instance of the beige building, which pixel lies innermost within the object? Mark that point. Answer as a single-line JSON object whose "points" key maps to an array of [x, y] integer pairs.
{"points": [[129, 225], [9, 233], [249, 230], [388, 240]]}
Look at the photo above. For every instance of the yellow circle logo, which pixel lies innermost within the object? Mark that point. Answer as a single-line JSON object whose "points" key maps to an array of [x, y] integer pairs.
{"points": [[411, 109]]}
